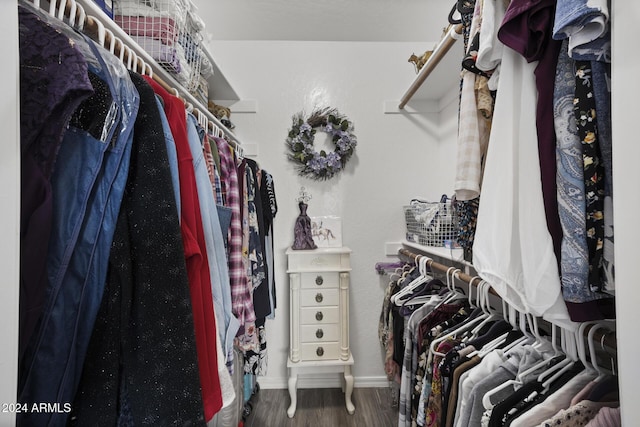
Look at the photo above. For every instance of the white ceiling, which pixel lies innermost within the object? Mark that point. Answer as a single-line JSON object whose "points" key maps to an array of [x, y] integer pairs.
{"points": [[325, 20]]}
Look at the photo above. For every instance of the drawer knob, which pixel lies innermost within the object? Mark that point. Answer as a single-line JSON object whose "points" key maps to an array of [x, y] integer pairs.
{"points": [[320, 351], [319, 316], [319, 333], [319, 280], [319, 297]]}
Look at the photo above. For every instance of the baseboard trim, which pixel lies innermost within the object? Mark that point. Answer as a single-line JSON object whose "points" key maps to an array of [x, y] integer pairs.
{"points": [[309, 381]]}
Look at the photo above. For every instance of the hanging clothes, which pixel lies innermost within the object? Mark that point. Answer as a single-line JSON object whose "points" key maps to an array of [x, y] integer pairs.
{"points": [[87, 186], [242, 304], [227, 325], [42, 123], [585, 24], [473, 133], [120, 323], [145, 322], [513, 249], [195, 256], [269, 211]]}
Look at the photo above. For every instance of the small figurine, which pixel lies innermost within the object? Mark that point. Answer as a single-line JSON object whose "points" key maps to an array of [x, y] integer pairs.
{"points": [[418, 62], [303, 239]]}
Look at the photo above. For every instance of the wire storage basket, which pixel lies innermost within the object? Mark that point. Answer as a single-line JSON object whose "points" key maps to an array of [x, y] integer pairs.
{"points": [[170, 32], [431, 223]]}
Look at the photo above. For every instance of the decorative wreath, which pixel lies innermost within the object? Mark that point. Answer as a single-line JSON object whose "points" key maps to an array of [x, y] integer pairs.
{"points": [[320, 165]]}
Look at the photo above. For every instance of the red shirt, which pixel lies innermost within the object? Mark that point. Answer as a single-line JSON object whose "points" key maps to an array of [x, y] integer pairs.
{"points": [[195, 253]]}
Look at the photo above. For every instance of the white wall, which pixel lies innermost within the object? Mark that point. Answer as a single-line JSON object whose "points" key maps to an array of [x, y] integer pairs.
{"points": [[325, 20], [626, 207], [398, 157], [9, 211]]}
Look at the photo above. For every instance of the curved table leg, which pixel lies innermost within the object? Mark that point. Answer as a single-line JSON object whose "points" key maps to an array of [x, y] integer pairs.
{"points": [[293, 380], [348, 379]]}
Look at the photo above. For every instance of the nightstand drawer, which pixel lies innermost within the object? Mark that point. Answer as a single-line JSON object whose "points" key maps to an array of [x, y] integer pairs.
{"points": [[318, 315], [319, 333], [319, 297], [320, 280], [320, 351], [319, 260]]}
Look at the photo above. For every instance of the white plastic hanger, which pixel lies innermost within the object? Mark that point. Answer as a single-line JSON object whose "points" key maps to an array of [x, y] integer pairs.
{"points": [[72, 14], [537, 343], [493, 344], [611, 357], [452, 274], [582, 346], [465, 326], [491, 314], [404, 288], [403, 294], [407, 291], [556, 371], [525, 319], [486, 399], [473, 303], [592, 350], [509, 315], [398, 272], [527, 338]]}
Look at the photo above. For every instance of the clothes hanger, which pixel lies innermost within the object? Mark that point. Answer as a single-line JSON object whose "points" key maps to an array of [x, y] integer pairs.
{"points": [[526, 339], [205, 120], [538, 342], [592, 350], [569, 347], [452, 274], [465, 326], [508, 313], [73, 11], [422, 295], [403, 278], [582, 346], [492, 315], [486, 399], [612, 357], [408, 290], [473, 303], [401, 296], [454, 9], [500, 339], [525, 319], [399, 271]]}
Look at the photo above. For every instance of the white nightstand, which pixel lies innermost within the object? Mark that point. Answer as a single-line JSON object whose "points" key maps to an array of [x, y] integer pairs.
{"points": [[319, 317]]}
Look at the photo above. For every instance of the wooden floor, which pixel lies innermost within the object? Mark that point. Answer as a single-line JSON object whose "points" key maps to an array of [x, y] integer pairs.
{"points": [[323, 407]]}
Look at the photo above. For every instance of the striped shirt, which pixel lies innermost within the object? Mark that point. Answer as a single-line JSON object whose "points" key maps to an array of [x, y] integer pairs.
{"points": [[241, 298]]}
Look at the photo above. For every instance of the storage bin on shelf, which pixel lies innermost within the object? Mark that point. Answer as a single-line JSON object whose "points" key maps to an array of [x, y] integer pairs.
{"points": [[431, 223], [171, 32]]}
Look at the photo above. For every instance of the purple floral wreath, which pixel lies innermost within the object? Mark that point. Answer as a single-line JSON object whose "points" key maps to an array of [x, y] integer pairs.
{"points": [[320, 165]]}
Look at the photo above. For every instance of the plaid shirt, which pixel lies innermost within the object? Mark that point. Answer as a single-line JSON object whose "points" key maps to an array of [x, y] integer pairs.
{"points": [[241, 297], [220, 196], [208, 157]]}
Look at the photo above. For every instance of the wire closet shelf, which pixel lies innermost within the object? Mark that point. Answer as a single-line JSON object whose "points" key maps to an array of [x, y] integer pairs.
{"points": [[87, 17]]}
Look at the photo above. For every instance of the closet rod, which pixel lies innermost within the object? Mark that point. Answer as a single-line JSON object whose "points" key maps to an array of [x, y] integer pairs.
{"points": [[607, 337], [438, 53], [436, 266], [94, 26]]}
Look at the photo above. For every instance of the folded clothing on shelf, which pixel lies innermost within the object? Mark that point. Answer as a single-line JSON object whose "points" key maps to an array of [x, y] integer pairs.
{"points": [[163, 29], [151, 8], [165, 55]]}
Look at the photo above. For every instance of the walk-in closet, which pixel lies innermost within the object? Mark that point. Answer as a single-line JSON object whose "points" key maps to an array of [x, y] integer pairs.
{"points": [[341, 213]]}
